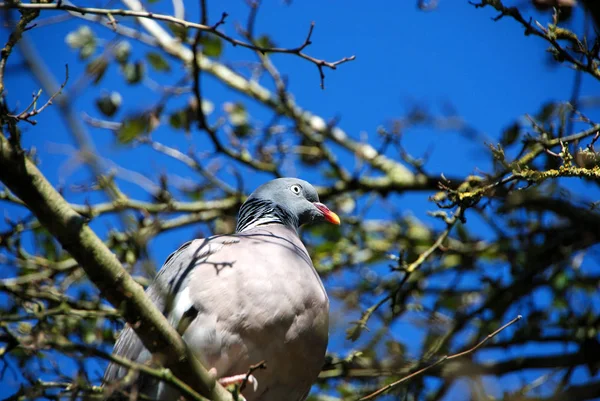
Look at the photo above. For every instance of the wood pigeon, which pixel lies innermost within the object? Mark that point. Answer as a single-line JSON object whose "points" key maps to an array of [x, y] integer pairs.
{"points": [[247, 297]]}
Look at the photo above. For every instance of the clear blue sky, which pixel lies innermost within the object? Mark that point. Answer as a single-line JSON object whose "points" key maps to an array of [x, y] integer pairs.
{"points": [[488, 71]]}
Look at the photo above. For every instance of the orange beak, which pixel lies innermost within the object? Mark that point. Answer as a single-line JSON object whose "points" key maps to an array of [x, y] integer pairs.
{"points": [[328, 214]]}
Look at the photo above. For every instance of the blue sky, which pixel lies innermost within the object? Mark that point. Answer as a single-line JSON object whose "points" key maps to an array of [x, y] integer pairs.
{"points": [[488, 71]]}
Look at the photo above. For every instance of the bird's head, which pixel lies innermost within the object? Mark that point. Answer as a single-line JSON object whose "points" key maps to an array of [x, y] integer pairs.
{"points": [[295, 202]]}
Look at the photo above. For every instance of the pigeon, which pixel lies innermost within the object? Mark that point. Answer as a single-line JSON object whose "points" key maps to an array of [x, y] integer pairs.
{"points": [[245, 298]]}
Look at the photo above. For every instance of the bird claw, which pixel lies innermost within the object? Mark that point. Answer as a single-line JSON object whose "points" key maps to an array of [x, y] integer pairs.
{"points": [[239, 379]]}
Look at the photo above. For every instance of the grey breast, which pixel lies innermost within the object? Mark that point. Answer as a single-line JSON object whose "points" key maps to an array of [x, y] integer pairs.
{"points": [[255, 296]]}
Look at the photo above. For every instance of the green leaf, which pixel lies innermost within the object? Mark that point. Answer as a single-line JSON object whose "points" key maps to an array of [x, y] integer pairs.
{"points": [[265, 42], [109, 103], [122, 51], [87, 51], [180, 120], [237, 113], [82, 39], [450, 261], [134, 72], [312, 154], [97, 68], [132, 128], [79, 38], [180, 31], [560, 303], [24, 328], [184, 118], [212, 46], [89, 336], [238, 118], [157, 62], [560, 281], [242, 131], [511, 134], [547, 112]]}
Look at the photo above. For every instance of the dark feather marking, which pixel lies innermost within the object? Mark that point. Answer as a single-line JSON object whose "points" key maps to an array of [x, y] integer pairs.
{"points": [[257, 209], [181, 248], [186, 319]]}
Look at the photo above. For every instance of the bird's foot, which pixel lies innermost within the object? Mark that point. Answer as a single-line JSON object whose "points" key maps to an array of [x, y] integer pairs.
{"points": [[239, 379]]}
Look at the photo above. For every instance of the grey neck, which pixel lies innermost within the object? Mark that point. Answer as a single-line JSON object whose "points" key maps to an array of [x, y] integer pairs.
{"points": [[258, 212]]}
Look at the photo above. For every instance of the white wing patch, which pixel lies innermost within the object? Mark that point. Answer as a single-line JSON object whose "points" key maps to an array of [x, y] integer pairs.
{"points": [[181, 304]]}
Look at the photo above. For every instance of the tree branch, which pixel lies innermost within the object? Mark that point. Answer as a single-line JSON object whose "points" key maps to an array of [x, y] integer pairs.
{"points": [[551, 34], [397, 176], [140, 13], [439, 361], [14, 37], [23, 178]]}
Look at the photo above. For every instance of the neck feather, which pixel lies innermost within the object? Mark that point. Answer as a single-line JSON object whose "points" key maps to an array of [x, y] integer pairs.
{"points": [[257, 212]]}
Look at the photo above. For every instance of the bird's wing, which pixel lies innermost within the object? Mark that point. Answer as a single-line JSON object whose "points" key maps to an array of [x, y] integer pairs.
{"points": [[173, 275]]}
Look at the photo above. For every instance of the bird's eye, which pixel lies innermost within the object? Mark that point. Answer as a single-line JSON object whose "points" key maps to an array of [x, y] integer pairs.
{"points": [[296, 189]]}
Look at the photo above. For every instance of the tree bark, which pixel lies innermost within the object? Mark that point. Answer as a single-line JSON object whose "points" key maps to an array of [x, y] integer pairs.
{"points": [[103, 268]]}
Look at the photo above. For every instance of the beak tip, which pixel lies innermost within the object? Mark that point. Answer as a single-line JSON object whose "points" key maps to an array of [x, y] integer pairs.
{"points": [[333, 218], [329, 216]]}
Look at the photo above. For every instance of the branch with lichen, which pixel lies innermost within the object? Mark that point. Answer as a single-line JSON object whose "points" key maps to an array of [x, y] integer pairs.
{"points": [[474, 187], [552, 34]]}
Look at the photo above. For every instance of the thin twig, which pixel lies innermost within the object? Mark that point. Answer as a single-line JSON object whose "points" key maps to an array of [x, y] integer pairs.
{"points": [[552, 34], [32, 110], [361, 324], [14, 37], [439, 361], [110, 13], [252, 369]]}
